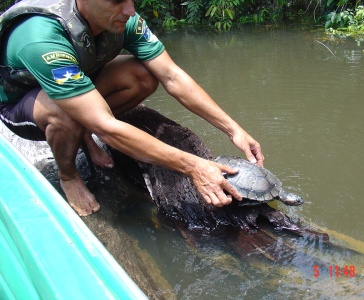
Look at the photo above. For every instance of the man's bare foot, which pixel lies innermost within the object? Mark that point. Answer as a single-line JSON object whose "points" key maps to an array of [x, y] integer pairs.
{"points": [[98, 155], [79, 197]]}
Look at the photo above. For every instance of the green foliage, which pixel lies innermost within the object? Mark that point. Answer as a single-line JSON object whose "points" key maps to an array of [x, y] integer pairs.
{"points": [[160, 13], [194, 14], [222, 12], [346, 20], [337, 3], [171, 22], [5, 4], [357, 23], [258, 18], [339, 20], [153, 9]]}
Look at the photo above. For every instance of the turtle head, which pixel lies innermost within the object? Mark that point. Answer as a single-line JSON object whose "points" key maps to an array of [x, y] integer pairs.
{"points": [[289, 198]]}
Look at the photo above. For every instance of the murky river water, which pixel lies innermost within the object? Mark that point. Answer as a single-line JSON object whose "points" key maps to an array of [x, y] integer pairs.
{"points": [[300, 94], [303, 104]]}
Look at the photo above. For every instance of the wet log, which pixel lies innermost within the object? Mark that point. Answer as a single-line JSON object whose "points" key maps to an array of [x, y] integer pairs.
{"points": [[177, 198]]}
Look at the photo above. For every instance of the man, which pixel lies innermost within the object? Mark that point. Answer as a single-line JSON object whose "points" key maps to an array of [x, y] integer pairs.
{"points": [[65, 80]]}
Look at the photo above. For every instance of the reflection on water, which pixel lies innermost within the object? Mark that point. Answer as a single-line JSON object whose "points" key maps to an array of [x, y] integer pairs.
{"points": [[203, 265], [299, 94]]}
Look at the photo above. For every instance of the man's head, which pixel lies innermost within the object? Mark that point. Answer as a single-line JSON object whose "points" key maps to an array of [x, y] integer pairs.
{"points": [[106, 15]]}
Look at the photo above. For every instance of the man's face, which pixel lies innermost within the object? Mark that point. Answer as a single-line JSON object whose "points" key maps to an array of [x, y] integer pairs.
{"points": [[106, 15]]}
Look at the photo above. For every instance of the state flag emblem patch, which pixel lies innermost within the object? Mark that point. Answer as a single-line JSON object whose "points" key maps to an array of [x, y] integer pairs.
{"points": [[68, 73]]}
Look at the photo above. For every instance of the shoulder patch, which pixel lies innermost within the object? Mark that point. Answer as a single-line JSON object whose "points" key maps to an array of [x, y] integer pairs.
{"points": [[139, 26], [68, 73], [142, 28], [149, 35], [55, 56]]}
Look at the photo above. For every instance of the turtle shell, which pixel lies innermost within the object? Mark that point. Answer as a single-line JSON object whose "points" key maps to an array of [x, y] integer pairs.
{"points": [[252, 181]]}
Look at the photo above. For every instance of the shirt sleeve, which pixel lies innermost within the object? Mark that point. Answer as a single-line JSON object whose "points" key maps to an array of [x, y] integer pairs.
{"points": [[50, 57], [140, 41]]}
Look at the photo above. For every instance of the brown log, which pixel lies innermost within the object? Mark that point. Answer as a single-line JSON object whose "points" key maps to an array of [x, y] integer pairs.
{"points": [[177, 198]]}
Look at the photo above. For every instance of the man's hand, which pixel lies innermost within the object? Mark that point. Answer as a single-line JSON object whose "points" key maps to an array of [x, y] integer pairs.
{"points": [[249, 146], [209, 181]]}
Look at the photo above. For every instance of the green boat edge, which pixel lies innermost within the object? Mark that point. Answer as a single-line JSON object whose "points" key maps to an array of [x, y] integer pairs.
{"points": [[46, 250]]}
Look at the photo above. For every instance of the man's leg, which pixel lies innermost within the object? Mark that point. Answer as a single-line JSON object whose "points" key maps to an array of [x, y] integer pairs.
{"points": [[124, 83], [63, 135], [36, 117], [98, 155]]}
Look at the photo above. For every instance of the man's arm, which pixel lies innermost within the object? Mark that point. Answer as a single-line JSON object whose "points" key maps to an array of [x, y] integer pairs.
{"points": [[182, 87], [91, 110]]}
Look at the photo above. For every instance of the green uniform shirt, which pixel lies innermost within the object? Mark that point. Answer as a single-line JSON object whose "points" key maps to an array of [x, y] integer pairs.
{"points": [[41, 45]]}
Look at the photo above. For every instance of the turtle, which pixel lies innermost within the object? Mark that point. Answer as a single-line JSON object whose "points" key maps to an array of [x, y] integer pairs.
{"points": [[256, 184]]}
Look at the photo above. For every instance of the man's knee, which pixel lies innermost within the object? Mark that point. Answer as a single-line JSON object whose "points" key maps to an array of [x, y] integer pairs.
{"points": [[125, 72], [62, 124], [52, 119], [138, 77]]}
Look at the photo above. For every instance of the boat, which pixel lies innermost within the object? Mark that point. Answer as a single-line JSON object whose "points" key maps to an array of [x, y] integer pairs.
{"points": [[46, 250]]}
